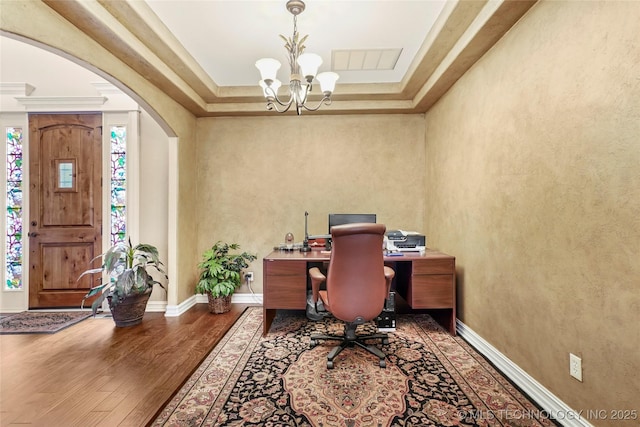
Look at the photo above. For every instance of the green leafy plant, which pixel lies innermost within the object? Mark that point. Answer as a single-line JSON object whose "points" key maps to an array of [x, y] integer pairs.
{"points": [[220, 270], [126, 265]]}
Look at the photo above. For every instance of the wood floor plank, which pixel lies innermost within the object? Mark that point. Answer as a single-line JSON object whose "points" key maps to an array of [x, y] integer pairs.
{"points": [[94, 374], [71, 410], [110, 403]]}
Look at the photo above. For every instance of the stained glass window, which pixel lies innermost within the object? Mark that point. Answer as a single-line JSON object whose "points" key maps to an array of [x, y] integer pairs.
{"points": [[14, 209], [118, 184]]}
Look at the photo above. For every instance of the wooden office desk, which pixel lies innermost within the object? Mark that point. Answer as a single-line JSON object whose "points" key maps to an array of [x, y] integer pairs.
{"points": [[424, 281]]}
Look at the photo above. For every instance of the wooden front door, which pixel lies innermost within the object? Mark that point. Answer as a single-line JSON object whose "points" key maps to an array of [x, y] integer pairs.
{"points": [[65, 206]]}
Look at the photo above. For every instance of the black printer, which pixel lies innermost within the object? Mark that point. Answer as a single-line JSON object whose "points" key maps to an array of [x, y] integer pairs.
{"points": [[399, 240]]}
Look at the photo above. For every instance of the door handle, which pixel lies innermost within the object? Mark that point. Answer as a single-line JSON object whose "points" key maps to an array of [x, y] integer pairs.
{"points": [[32, 234]]}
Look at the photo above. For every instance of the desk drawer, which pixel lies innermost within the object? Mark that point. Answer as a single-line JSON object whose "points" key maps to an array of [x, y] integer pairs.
{"points": [[431, 291], [285, 268], [285, 292], [434, 266]]}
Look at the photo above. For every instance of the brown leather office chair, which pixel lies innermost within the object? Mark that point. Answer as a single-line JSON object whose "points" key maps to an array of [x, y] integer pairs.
{"points": [[357, 285]]}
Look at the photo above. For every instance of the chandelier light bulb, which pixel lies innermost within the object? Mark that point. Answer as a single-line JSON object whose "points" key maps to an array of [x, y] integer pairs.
{"points": [[268, 68], [309, 64], [327, 81]]}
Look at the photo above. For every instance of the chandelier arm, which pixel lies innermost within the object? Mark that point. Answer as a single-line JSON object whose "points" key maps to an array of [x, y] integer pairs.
{"points": [[302, 93], [324, 101], [273, 96], [271, 106], [284, 104]]}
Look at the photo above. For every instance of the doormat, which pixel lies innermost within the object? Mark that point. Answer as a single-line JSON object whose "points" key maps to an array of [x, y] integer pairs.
{"points": [[38, 322], [3, 315]]}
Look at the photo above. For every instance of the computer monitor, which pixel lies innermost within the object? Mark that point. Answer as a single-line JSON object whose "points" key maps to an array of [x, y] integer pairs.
{"points": [[339, 219]]}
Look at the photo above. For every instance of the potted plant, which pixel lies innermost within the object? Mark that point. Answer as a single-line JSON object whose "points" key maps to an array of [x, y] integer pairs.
{"points": [[129, 283], [220, 274]]}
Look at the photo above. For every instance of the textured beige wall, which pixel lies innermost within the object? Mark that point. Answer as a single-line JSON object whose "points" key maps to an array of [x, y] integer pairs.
{"points": [[153, 197], [534, 185], [257, 176]]}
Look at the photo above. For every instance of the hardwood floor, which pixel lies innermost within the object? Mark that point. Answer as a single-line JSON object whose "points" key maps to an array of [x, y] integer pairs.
{"points": [[94, 374]]}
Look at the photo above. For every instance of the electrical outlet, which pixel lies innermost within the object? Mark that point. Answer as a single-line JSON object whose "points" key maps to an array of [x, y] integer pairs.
{"points": [[249, 276], [575, 366]]}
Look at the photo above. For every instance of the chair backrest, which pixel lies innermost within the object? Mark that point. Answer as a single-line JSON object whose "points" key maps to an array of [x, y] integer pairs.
{"points": [[356, 284]]}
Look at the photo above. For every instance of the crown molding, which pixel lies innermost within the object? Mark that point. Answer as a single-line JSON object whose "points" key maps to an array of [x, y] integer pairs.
{"points": [[18, 88], [106, 88], [66, 102]]}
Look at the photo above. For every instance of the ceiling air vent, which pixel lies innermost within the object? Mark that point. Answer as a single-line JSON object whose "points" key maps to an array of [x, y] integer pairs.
{"points": [[364, 59]]}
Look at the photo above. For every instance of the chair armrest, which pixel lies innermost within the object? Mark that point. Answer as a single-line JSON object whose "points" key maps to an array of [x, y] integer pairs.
{"points": [[389, 274], [317, 278]]}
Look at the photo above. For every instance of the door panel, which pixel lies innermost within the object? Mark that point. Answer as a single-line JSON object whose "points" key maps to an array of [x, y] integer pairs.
{"points": [[65, 231]]}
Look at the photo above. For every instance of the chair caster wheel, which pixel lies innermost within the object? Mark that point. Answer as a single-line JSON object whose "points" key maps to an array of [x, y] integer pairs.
{"points": [[330, 364], [313, 343], [383, 364]]}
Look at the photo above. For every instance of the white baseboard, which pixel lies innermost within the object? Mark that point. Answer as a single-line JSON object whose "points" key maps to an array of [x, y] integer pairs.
{"points": [[235, 298], [551, 404], [177, 310], [247, 299], [203, 299], [156, 306]]}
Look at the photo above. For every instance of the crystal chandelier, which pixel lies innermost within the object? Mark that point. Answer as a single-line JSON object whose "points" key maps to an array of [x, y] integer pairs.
{"points": [[304, 67]]}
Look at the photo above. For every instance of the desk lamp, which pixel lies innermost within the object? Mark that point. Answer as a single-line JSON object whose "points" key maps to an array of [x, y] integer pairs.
{"points": [[305, 244]]}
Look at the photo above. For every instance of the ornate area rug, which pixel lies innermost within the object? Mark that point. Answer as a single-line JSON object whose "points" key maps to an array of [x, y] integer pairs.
{"points": [[431, 379], [37, 322]]}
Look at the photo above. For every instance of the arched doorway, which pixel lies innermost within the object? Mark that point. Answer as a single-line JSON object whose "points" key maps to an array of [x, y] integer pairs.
{"points": [[83, 90]]}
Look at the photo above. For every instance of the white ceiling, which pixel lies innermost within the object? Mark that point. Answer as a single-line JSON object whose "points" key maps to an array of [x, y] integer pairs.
{"points": [[227, 37], [202, 52]]}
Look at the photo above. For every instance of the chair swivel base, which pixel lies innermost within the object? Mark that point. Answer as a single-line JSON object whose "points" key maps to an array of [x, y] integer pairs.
{"points": [[349, 340]]}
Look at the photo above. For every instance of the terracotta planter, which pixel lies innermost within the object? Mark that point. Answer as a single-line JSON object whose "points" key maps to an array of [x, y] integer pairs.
{"points": [[219, 305], [130, 311]]}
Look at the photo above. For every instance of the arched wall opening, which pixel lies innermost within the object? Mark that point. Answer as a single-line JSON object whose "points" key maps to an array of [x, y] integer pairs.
{"points": [[161, 150]]}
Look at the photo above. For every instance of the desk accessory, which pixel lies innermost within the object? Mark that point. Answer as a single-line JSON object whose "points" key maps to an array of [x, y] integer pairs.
{"points": [[289, 241]]}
